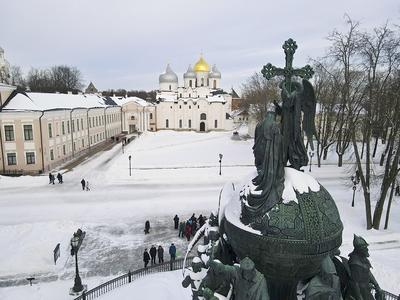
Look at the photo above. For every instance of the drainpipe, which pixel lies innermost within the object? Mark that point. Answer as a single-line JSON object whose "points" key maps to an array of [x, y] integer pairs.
{"points": [[87, 125], [2, 152], [121, 118], [72, 132], [105, 122], [41, 139]]}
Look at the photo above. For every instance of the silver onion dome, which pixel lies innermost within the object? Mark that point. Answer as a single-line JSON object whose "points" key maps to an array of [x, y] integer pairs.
{"points": [[169, 76], [189, 73], [215, 73]]}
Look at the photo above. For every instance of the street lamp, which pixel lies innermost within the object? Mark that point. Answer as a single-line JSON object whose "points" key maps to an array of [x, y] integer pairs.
{"points": [[220, 161], [123, 145], [130, 164], [78, 287], [355, 181], [311, 153]]}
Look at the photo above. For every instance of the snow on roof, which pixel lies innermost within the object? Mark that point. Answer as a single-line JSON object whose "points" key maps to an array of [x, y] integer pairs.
{"points": [[168, 97], [47, 101], [123, 100], [217, 98]]}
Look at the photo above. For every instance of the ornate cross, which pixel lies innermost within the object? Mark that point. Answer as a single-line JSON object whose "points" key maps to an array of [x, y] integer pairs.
{"points": [[269, 71]]}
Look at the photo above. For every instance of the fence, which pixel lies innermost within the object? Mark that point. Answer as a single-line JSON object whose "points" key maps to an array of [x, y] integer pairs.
{"points": [[131, 276], [390, 296]]}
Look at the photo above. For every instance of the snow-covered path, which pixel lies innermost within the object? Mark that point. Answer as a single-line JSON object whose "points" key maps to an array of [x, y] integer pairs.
{"points": [[172, 173]]}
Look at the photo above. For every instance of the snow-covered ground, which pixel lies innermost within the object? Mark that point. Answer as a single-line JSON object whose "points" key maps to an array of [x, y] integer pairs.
{"points": [[172, 173]]}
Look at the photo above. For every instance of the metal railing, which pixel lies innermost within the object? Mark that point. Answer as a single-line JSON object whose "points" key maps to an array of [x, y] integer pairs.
{"points": [[390, 296], [131, 276]]}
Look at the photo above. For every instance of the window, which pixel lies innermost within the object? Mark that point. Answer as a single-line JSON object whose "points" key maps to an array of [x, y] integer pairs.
{"points": [[202, 81], [180, 95], [190, 95], [74, 146], [50, 131], [28, 132], [90, 122], [215, 123], [190, 83], [169, 87], [91, 141], [11, 159], [73, 126], [190, 107], [97, 121], [180, 123], [64, 152], [51, 154], [190, 123], [203, 116], [83, 143], [82, 124], [166, 123], [77, 124], [151, 116], [9, 132], [30, 158], [215, 84], [180, 106], [198, 106], [68, 127], [63, 127]]}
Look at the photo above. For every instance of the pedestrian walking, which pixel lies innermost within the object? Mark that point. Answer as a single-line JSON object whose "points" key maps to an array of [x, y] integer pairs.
{"points": [[87, 186], [188, 230], [146, 258], [147, 227], [201, 221], [181, 229], [172, 252], [194, 226], [160, 253], [83, 183], [176, 221], [59, 177], [153, 253], [50, 178]]}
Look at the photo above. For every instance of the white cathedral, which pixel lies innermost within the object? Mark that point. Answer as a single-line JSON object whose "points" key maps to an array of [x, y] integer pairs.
{"points": [[199, 105]]}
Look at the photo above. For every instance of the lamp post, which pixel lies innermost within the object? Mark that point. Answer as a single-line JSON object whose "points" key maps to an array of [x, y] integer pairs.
{"points": [[220, 161], [78, 287], [355, 181], [123, 145], [311, 153], [130, 164]]}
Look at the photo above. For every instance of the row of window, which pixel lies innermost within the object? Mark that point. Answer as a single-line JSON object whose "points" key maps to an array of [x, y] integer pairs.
{"points": [[9, 133], [12, 158], [190, 107], [202, 83], [189, 123]]}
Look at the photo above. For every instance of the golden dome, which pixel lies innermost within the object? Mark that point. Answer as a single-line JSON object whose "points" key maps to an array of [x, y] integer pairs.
{"points": [[201, 66]]}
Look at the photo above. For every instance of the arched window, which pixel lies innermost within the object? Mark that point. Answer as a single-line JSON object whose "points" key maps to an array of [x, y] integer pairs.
{"points": [[151, 116], [215, 123], [190, 95], [169, 87], [215, 84], [166, 123], [202, 81], [180, 123], [190, 83], [203, 116], [190, 123]]}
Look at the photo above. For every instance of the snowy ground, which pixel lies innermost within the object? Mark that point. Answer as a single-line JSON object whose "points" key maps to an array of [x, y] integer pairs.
{"points": [[173, 173]]}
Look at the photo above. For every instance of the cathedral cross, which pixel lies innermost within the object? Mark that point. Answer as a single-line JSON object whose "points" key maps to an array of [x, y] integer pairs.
{"points": [[269, 71]]}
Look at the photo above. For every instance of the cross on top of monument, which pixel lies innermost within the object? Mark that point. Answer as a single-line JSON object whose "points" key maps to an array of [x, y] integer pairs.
{"points": [[269, 71]]}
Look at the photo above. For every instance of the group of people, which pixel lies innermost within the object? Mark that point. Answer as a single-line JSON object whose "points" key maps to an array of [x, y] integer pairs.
{"points": [[158, 252], [85, 185], [52, 178], [189, 227]]}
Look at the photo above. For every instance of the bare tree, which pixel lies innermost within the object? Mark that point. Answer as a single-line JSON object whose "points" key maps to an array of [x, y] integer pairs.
{"points": [[257, 93]]}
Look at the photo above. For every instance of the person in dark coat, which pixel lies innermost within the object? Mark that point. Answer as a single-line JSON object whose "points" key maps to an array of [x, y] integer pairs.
{"points": [[172, 251], [153, 253], [147, 227], [146, 258], [181, 229], [188, 230], [176, 221], [194, 226], [50, 178], [83, 183], [398, 190], [160, 253], [59, 177], [201, 221]]}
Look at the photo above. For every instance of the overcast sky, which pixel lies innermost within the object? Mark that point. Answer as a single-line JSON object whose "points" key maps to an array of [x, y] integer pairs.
{"points": [[127, 43]]}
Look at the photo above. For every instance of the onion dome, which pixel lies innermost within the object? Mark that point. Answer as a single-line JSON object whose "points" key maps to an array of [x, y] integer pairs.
{"points": [[189, 73], [201, 65], [169, 76], [215, 73]]}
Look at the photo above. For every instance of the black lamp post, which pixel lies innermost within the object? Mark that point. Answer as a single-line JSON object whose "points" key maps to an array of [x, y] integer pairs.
{"points": [[311, 153], [220, 161], [355, 181], [130, 164], [78, 287], [123, 145]]}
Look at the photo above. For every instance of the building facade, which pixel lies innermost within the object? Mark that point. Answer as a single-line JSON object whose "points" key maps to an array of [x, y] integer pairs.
{"points": [[199, 104]]}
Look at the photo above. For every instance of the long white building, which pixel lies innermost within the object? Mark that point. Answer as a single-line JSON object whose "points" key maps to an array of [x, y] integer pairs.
{"points": [[199, 104]]}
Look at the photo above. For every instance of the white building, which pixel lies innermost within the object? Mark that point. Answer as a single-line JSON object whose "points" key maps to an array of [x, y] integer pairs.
{"points": [[200, 104]]}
